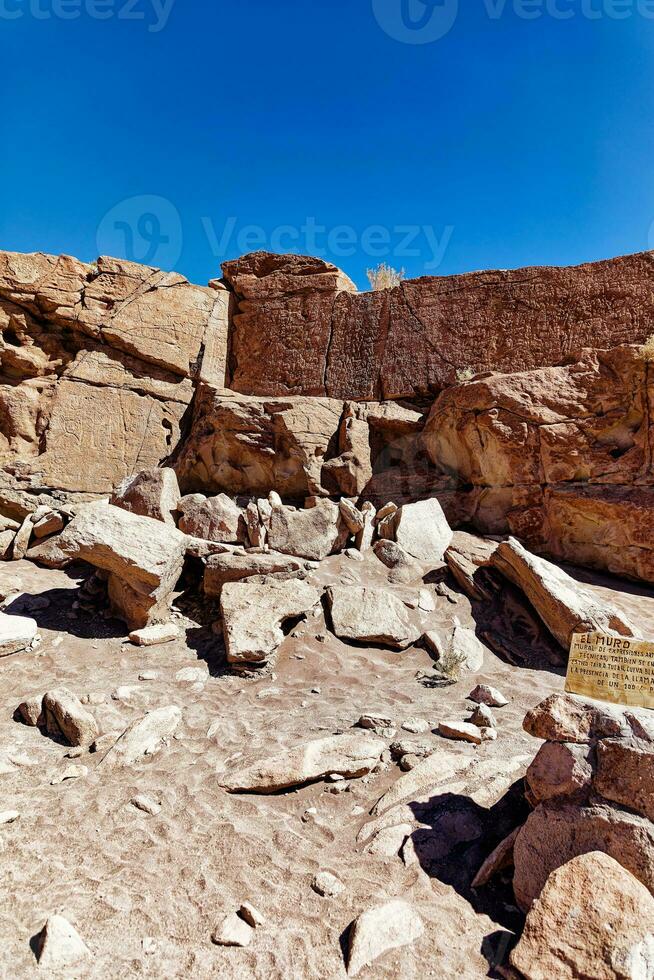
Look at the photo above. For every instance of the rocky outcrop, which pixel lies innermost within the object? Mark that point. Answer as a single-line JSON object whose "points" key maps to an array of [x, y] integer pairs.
{"points": [[301, 328], [550, 455], [591, 785], [96, 370]]}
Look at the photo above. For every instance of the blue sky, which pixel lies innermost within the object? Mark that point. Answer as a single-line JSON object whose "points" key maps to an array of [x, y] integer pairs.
{"points": [[183, 133]]}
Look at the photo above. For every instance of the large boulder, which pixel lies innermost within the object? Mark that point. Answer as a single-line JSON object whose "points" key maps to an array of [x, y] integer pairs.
{"points": [[236, 567], [16, 633], [253, 614], [556, 832], [150, 493], [343, 755], [368, 615], [144, 558], [380, 929], [313, 533], [552, 455], [564, 606], [212, 519], [421, 529], [593, 919]]}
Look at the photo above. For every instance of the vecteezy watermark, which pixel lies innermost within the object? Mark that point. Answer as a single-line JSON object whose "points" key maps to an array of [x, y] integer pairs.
{"points": [[145, 229], [154, 14], [416, 21], [339, 241], [426, 21]]}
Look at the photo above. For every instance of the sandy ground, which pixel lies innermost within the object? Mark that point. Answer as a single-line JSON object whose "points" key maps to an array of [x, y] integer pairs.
{"points": [[145, 892]]}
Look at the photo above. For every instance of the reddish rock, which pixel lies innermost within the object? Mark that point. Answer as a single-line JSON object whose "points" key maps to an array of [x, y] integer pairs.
{"points": [[566, 718], [560, 769], [625, 774], [301, 328], [593, 919], [555, 833]]}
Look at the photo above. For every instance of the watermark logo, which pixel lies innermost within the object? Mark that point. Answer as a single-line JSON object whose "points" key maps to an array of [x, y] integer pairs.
{"points": [[416, 21], [145, 229], [154, 14], [399, 242]]}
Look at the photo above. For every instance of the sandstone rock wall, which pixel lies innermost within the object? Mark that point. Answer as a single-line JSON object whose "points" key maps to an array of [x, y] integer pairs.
{"points": [[97, 367], [301, 328]]}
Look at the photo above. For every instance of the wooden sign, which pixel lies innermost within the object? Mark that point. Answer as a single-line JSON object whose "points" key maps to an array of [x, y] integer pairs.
{"points": [[612, 668]]}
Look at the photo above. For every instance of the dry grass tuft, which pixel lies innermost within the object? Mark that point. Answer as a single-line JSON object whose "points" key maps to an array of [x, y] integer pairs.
{"points": [[647, 350], [384, 277]]}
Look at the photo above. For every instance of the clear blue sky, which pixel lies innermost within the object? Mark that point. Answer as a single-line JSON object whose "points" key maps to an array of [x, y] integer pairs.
{"points": [[165, 132]]}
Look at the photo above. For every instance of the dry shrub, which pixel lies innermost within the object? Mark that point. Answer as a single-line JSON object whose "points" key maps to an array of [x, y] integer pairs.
{"points": [[384, 277], [465, 374], [647, 350]]}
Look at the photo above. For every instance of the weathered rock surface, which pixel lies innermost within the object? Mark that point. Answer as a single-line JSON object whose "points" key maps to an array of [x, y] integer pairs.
{"points": [[144, 737], [421, 529], [379, 930], [557, 832], [253, 614], [625, 774], [554, 453], [212, 519], [301, 328], [236, 567], [144, 558], [560, 769], [403, 568], [66, 716], [314, 533], [593, 919], [567, 718], [370, 616], [154, 635], [564, 606], [97, 365], [345, 755], [151, 493]]}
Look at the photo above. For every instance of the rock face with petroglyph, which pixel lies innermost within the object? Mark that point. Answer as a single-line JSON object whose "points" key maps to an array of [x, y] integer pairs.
{"points": [[279, 698]]}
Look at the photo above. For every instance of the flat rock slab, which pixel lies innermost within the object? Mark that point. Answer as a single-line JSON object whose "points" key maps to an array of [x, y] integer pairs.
{"points": [[564, 606], [313, 534], [379, 930], [144, 737], [235, 567], [16, 633], [152, 636], [422, 530], [253, 614], [344, 755], [370, 616]]}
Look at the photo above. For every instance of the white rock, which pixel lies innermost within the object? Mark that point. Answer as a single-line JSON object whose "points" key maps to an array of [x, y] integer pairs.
{"points": [[422, 530], [233, 931], [144, 737], [253, 615], [461, 731], [485, 694], [327, 884], [70, 772], [347, 755], [152, 635], [251, 915], [9, 816], [61, 947], [146, 804], [417, 726], [379, 930], [483, 717], [16, 633]]}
